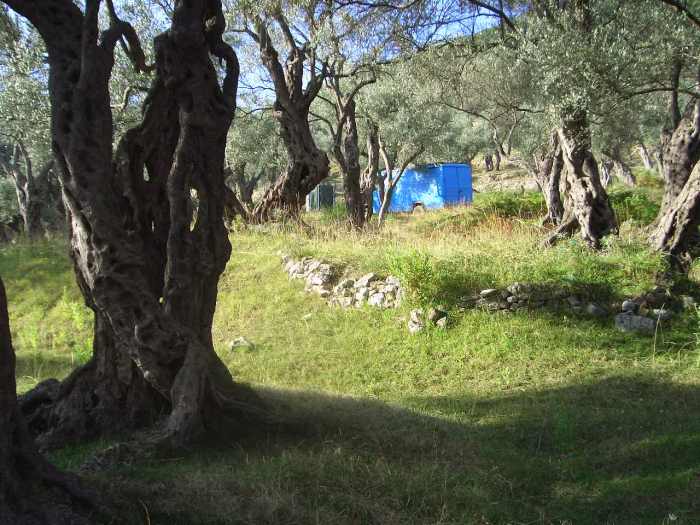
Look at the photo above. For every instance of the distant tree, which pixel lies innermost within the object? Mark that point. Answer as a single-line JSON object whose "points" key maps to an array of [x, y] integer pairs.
{"points": [[25, 133], [409, 127], [255, 155], [297, 74]]}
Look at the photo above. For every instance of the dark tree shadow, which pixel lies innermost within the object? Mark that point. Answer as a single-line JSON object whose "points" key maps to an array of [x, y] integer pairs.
{"points": [[618, 449]]}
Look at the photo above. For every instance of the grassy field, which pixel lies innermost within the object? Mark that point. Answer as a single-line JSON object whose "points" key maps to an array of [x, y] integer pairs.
{"points": [[537, 417]]}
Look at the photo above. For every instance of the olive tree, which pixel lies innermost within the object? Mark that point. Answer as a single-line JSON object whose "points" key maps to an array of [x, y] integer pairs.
{"points": [[147, 259]]}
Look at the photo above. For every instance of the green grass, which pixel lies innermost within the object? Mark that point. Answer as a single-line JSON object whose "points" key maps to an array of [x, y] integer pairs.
{"points": [[51, 328], [537, 417]]}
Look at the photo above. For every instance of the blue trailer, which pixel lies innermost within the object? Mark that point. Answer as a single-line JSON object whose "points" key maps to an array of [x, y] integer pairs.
{"points": [[433, 186]]}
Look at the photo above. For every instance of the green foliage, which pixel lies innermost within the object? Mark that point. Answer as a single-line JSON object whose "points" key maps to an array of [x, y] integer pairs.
{"points": [[486, 207], [420, 274], [52, 328], [8, 201], [649, 179], [634, 205]]}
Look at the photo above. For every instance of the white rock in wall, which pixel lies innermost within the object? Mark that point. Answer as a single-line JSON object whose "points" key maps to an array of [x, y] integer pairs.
{"points": [[365, 280], [376, 299]]}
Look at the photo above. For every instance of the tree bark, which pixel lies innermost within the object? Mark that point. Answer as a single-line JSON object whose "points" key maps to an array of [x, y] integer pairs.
{"points": [[547, 171], [644, 155], [241, 204], [624, 172], [497, 157], [606, 166], [346, 151], [369, 175], [147, 261], [680, 153], [590, 209], [32, 491], [488, 162], [27, 188], [675, 230], [307, 165], [245, 185]]}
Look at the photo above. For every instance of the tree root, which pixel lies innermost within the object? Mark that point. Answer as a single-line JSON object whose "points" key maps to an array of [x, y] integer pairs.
{"points": [[565, 230]]}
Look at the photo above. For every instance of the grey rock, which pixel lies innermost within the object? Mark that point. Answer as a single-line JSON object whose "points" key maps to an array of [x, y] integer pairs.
{"points": [[490, 292], [376, 299], [505, 294], [662, 314], [365, 280], [394, 281], [318, 279], [629, 306], [574, 301], [688, 302], [344, 284], [595, 310], [311, 266], [240, 342], [435, 314], [345, 302], [295, 269], [389, 288], [414, 328], [415, 321], [631, 323], [518, 289], [362, 294], [416, 315]]}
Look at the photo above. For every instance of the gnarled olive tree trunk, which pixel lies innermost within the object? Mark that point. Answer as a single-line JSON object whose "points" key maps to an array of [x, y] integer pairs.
{"points": [[675, 230], [368, 179], [547, 171], [147, 258], [346, 152], [32, 491], [307, 165], [589, 207]]}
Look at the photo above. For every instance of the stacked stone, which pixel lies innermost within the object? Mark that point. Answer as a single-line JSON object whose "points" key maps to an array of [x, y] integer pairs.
{"points": [[515, 297], [369, 289]]}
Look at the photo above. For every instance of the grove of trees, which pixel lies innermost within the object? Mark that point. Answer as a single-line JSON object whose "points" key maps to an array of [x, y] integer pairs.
{"points": [[117, 124]]}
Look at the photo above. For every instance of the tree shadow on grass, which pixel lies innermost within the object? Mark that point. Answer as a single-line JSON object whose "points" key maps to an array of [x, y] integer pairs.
{"points": [[622, 450]]}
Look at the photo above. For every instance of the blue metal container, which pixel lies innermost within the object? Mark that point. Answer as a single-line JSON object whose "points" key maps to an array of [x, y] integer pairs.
{"points": [[434, 186]]}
